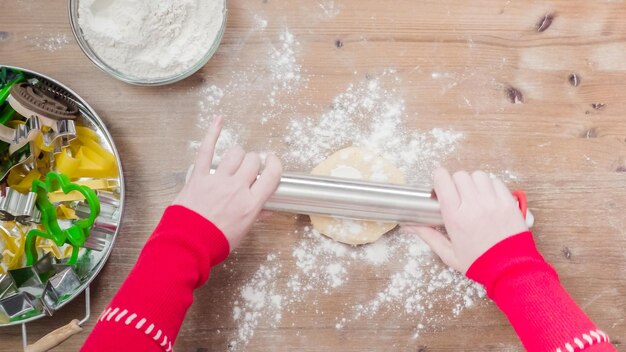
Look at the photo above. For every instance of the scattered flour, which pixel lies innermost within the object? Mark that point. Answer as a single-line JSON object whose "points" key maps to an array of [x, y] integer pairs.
{"points": [[416, 285], [283, 65], [259, 302], [330, 9], [49, 42], [260, 22], [368, 115]]}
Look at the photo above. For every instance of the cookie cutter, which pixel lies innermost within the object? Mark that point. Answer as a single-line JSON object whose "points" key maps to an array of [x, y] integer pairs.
{"points": [[8, 78], [95, 184], [15, 206], [19, 306], [106, 223], [49, 112], [109, 215], [23, 156], [40, 98], [21, 181], [12, 254], [77, 233], [59, 134], [38, 288], [88, 157], [7, 286], [59, 287]]}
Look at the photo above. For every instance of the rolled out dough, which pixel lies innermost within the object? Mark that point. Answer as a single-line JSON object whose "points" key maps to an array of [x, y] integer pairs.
{"points": [[360, 164]]}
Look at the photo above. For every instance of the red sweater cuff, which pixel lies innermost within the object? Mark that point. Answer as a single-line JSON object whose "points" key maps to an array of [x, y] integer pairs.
{"points": [[201, 234], [515, 254], [148, 310], [527, 289]]}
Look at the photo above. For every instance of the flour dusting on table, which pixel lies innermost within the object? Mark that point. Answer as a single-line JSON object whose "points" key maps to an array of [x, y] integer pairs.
{"points": [[409, 283], [370, 116], [415, 284], [50, 42]]}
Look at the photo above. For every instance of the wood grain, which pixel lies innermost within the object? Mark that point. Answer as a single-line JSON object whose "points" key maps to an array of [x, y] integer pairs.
{"points": [[568, 155]]}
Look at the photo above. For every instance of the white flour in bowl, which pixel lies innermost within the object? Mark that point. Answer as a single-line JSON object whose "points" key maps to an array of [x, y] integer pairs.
{"points": [[151, 39]]}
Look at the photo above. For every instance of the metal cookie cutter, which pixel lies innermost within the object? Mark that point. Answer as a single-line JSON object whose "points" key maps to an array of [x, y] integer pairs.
{"points": [[19, 207], [7, 286], [19, 305], [31, 279], [106, 223], [53, 282], [77, 233], [59, 287], [42, 106], [49, 114]]}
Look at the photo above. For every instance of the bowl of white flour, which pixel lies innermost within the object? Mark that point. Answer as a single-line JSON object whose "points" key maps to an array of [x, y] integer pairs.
{"points": [[148, 42]]}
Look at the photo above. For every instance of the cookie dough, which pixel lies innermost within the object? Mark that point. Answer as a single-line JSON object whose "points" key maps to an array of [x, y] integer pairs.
{"points": [[359, 164]]}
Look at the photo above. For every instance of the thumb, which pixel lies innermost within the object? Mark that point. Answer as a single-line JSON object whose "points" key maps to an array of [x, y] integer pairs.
{"points": [[438, 242]]}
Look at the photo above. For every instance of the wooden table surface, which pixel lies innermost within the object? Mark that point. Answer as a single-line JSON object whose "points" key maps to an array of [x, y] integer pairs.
{"points": [[460, 64]]}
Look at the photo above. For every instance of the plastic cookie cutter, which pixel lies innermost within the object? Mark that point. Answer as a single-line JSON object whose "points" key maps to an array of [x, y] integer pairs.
{"points": [[15, 206], [77, 233], [36, 98], [104, 184], [8, 78], [85, 157], [48, 246], [14, 239], [21, 179]]}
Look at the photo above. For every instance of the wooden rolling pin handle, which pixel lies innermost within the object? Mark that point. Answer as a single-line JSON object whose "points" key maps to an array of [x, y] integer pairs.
{"points": [[55, 337]]}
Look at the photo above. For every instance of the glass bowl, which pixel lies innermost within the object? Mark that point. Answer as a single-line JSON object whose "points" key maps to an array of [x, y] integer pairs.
{"points": [[91, 54]]}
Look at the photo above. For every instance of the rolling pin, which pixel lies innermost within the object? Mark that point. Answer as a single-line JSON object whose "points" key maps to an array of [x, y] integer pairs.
{"points": [[354, 199]]}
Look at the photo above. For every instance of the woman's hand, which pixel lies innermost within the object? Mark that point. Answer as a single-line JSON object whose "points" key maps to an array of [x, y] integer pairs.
{"points": [[233, 197], [478, 211]]}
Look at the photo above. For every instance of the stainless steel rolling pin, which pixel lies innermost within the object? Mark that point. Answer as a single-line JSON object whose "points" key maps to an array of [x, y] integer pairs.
{"points": [[338, 197]]}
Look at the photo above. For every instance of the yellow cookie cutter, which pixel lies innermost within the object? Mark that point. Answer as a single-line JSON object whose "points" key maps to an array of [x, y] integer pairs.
{"points": [[85, 157], [102, 184], [14, 245]]}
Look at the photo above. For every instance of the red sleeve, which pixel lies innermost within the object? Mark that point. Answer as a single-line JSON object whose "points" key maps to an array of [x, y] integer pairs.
{"points": [[528, 291], [148, 310]]}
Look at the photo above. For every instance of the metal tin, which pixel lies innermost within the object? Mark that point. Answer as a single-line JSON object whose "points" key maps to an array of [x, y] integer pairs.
{"points": [[93, 57], [90, 119]]}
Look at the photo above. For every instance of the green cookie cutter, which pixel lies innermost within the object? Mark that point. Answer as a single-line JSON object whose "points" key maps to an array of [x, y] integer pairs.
{"points": [[75, 235]]}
